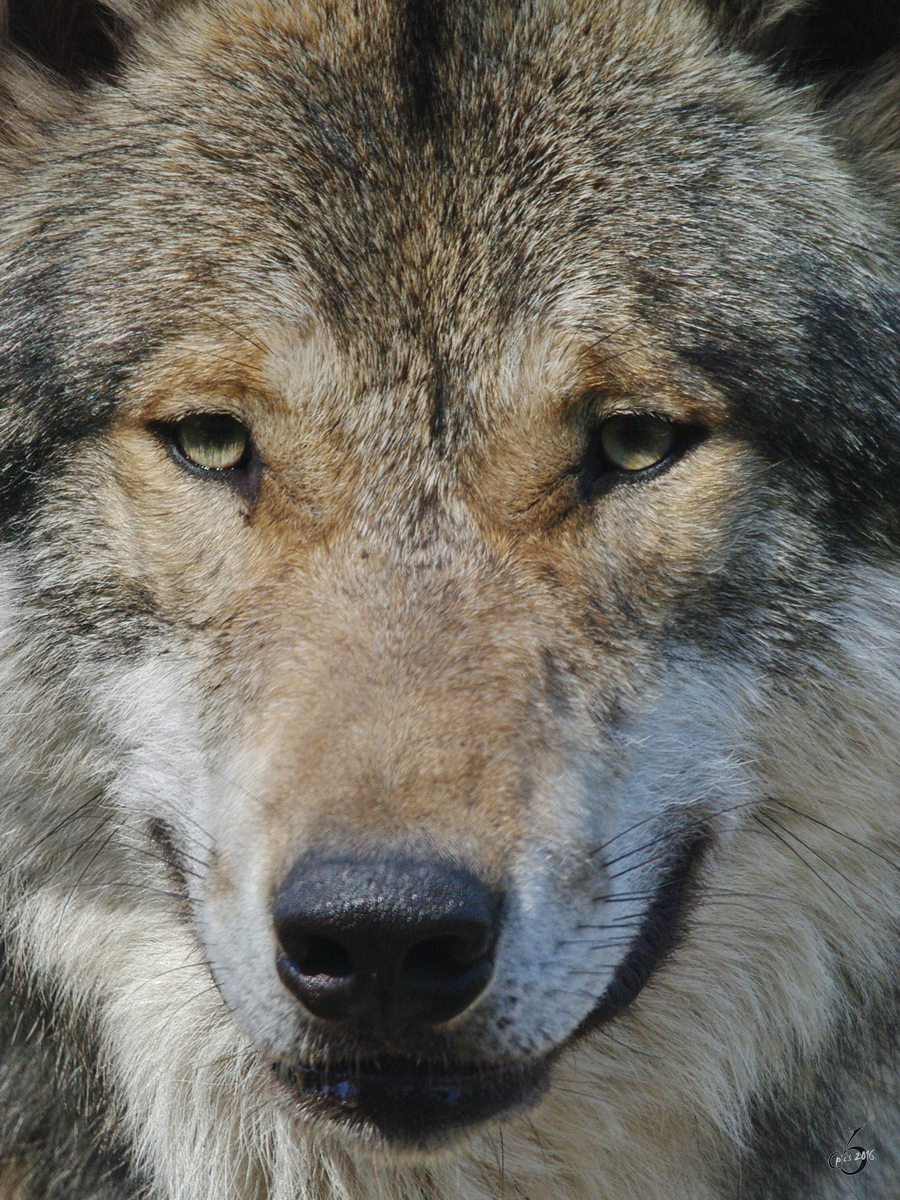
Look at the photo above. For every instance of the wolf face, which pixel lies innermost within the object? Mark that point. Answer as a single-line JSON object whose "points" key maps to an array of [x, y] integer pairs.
{"points": [[449, 598]]}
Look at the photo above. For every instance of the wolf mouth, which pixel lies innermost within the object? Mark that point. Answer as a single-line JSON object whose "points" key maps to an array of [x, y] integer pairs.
{"points": [[660, 932], [413, 1104]]}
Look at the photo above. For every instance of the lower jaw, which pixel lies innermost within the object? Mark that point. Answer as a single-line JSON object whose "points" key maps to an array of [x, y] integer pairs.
{"points": [[409, 1106]]}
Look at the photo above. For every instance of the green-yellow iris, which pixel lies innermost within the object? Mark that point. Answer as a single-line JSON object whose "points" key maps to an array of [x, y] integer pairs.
{"points": [[635, 441], [214, 441]]}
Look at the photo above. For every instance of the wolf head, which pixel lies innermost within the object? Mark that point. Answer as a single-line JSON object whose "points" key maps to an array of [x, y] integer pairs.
{"points": [[449, 493]]}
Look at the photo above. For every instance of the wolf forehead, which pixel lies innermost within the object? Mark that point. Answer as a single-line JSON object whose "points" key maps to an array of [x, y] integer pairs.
{"points": [[428, 183], [419, 164]]}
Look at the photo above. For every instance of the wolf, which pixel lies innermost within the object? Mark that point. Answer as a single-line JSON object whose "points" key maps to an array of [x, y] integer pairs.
{"points": [[450, 599]]}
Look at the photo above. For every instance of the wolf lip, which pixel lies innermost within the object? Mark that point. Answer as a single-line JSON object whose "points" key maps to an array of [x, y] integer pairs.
{"points": [[413, 1104], [660, 932]]}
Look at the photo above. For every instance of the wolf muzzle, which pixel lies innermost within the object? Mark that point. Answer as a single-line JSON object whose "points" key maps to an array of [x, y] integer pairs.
{"points": [[387, 950]]}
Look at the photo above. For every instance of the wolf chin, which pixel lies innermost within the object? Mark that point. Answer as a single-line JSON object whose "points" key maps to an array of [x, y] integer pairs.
{"points": [[449, 599]]}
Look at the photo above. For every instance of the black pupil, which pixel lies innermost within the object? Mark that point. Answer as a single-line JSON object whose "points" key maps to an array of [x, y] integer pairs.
{"points": [[216, 429]]}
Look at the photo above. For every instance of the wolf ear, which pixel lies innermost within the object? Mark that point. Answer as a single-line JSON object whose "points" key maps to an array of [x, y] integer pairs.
{"points": [[846, 56], [833, 42], [76, 39]]}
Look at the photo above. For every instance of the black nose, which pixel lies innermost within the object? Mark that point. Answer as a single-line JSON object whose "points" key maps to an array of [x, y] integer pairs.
{"points": [[393, 941]]}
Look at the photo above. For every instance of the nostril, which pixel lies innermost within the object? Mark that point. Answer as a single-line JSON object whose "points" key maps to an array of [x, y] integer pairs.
{"points": [[448, 973], [444, 957], [314, 955], [320, 971]]}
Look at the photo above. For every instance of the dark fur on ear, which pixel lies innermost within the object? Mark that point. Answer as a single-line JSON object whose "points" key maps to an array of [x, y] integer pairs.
{"points": [[831, 41], [76, 40], [50, 52], [847, 54]]}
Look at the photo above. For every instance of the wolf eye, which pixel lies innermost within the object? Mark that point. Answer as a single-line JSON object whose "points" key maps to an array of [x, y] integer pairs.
{"points": [[213, 441], [634, 442]]}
